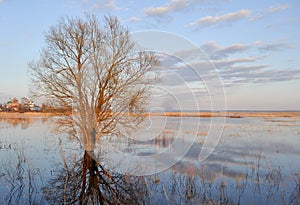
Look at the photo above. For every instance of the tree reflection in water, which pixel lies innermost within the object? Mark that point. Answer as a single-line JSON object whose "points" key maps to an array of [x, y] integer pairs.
{"points": [[19, 182], [86, 181], [78, 179]]}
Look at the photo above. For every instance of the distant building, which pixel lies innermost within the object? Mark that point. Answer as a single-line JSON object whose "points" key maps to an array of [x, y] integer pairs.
{"points": [[8, 105], [25, 105], [33, 107], [15, 104]]}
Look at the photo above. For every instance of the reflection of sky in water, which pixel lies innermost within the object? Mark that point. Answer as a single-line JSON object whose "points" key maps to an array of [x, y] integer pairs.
{"points": [[36, 143], [267, 148]]}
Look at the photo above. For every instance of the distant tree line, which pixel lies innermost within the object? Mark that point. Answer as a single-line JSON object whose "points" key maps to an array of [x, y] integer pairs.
{"points": [[27, 105]]}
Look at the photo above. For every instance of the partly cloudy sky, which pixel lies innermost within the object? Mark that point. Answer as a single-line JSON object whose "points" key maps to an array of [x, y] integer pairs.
{"points": [[253, 47]]}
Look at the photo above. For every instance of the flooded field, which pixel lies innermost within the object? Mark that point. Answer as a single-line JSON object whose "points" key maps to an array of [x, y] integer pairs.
{"points": [[256, 161]]}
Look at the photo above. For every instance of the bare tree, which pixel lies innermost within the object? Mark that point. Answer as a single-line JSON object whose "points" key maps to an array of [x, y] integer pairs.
{"points": [[97, 70]]}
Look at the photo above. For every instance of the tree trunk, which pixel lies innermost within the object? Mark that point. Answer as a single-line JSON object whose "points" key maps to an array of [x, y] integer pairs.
{"points": [[90, 140]]}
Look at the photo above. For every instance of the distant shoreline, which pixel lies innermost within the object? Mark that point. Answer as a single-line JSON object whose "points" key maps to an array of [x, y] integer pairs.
{"points": [[229, 114], [27, 114]]}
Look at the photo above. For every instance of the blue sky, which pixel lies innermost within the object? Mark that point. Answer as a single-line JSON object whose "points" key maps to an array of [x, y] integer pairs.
{"points": [[254, 45]]}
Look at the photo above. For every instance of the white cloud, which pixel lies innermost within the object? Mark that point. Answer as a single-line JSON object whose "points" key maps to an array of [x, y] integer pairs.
{"points": [[273, 46], [230, 62], [270, 10], [236, 48], [173, 5], [278, 8], [215, 51], [187, 72], [242, 68], [101, 4], [232, 71], [134, 19], [224, 19]]}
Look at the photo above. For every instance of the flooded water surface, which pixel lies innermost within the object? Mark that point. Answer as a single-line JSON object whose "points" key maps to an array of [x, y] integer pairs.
{"points": [[256, 161]]}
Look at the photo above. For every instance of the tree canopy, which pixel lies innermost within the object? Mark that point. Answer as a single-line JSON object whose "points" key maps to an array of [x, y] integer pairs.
{"points": [[98, 70]]}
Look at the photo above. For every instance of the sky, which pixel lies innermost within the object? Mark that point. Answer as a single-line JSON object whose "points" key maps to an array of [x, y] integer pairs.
{"points": [[230, 54]]}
